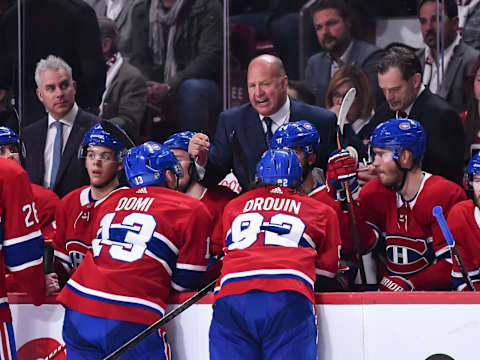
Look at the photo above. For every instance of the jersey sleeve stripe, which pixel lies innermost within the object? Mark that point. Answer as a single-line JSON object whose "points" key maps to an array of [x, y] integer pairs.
{"points": [[276, 273], [20, 239], [177, 287], [113, 298], [25, 265], [191, 267], [160, 249], [306, 238], [188, 279], [165, 264], [166, 241], [23, 252]]}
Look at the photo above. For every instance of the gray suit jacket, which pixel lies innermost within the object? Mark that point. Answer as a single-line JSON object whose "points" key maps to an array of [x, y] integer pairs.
{"points": [[362, 54], [123, 21], [71, 173], [126, 99], [459, 67]]}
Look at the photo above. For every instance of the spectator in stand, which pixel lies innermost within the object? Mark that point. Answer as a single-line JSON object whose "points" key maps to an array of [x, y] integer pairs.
{"points": [[444, 69], [68, 29], [177, 44], [125, 98], [52, 143], [120, 12], [332, 20], [253, 125], [301, 91], [400, 78], [361, 111], [275, 20], [471, 117]]}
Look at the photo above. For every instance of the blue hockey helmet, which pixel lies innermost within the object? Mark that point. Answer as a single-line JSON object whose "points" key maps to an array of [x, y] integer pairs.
{"points": [[146, 164], [473, 167], [179, 140], [296, 134], [98, 136], [400, 134], [280, 167], [8, 136]]}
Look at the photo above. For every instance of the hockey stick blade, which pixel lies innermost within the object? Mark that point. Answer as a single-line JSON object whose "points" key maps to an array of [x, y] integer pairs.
{"points": [[165, 319], [438, 213], [117, 133], [345, 108]]}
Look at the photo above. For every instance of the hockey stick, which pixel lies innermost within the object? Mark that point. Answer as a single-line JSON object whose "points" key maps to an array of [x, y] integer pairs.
{"points": [[55, 352], [342, 115], [165, 319], [117, 133], [438, 213]]}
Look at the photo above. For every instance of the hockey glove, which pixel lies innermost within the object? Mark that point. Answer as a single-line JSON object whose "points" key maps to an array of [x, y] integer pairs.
{"points": [[395, 283], [342, 167]]}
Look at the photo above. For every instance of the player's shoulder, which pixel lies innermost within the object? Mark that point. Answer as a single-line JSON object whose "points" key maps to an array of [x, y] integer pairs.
{"points": [[374, 188], [75, 196], [11, 170], [462, 208], [41, 192], [438, 188]]}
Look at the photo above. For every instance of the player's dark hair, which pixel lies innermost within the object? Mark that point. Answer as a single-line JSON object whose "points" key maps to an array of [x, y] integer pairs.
{"points": [[402, 58], [340, 6]]}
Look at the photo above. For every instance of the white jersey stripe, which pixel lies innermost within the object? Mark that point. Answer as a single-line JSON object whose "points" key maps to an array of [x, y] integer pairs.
{"points": [[21, 239], [267, 272], [25, 265], [191, 267], [114, 297], [160, 260]]}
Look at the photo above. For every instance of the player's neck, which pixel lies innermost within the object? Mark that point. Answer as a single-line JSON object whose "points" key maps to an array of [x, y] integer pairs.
{"points": [[412, 184], [99, 193], [309, 183], [195, 190]]}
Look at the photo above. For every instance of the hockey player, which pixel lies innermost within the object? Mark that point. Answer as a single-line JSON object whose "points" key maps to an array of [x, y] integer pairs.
{"points": [[103, 156], [149, 239], [45, 200], [21, 246], [276, 242], [464, 224], [302, 137], [399, 204], [215, 198]]}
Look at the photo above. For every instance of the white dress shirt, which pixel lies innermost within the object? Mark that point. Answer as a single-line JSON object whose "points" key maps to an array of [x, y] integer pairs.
{"points": [[67, 124], [279, 118]]}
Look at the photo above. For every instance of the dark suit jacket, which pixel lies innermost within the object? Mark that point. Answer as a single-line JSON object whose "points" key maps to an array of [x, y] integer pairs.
{"points": [[64, 28], [245, 122], [444, 129], [72, 173]]}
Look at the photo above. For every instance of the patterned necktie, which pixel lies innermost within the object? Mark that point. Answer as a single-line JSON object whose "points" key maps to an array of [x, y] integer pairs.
{"points": [[57, 153], [268, 134]]}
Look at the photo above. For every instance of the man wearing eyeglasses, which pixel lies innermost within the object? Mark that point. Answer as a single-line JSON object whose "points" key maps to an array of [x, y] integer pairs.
{"points": [[103, 156]]}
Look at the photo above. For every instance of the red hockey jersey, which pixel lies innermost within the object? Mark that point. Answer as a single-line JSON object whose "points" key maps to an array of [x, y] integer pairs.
{"points": [[148, 240], [74, 234], [46, 202], [413, 239], [464, 224], [22, 242], [276, 239]]}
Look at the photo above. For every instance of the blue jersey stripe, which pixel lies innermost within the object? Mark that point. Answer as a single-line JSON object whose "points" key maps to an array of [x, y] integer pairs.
{"points": [[188, 279], [266, 276], [111, 301], [23, 252]]}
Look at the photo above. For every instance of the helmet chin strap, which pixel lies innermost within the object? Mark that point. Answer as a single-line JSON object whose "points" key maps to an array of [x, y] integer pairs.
{"points": [[404, 171]]}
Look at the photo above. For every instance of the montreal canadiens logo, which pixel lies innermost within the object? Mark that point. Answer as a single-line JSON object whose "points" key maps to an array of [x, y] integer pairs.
{"points": [[404, 125], [307, 126]]}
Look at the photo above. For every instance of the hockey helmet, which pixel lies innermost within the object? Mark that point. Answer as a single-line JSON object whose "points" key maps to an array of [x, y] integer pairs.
{"points": [[98, 136], [146, 164], [296, 134], [280, 167]]}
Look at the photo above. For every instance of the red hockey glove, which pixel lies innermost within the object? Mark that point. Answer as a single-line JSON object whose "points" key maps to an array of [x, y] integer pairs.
{"points": [[342, 167], [395, 283]]}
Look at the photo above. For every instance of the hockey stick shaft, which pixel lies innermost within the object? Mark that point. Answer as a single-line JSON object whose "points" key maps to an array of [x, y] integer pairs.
{"points": [[165, 319], [117, 133], [242, 156], [342, 114], [55, 352], [438, 213]]}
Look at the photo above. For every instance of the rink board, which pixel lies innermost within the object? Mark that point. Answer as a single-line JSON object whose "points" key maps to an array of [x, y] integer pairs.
{"points": [[363, 326]]}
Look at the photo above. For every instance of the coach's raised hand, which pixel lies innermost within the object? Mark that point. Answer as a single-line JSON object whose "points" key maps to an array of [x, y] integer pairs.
{"points": [[198, 147]]}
